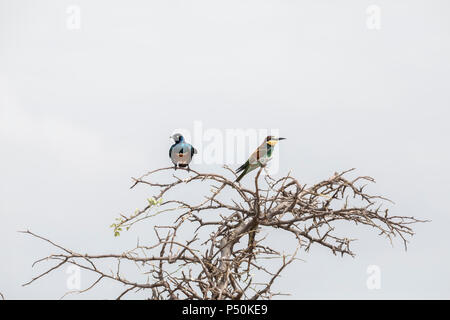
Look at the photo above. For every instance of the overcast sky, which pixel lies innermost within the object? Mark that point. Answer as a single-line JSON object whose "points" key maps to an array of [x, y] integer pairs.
{"points": [[88, 101]]}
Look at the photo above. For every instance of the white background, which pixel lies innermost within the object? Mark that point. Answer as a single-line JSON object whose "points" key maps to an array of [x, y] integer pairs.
{"points": [[82, 111]]}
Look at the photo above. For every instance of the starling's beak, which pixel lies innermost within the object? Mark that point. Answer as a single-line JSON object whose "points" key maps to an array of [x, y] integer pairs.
{"points": [[281, 138]]}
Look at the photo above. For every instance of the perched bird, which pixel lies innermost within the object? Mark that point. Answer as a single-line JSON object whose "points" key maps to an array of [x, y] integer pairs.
{"points": [[260, 157], [181, 152]]}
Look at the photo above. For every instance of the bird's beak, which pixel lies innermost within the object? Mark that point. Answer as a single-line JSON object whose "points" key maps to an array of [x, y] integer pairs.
{"points": [[281, 138]]}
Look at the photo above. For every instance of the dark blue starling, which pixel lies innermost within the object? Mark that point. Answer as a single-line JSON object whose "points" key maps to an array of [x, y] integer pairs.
{"points": [[181, 152]]}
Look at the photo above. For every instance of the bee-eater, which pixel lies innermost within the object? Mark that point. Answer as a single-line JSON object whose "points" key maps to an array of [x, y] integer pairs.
{"points": [[260, 157], [181, 152]]}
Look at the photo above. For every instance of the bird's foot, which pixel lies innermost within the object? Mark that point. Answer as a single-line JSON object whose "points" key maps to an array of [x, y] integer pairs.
{"points": [[175, 167]]}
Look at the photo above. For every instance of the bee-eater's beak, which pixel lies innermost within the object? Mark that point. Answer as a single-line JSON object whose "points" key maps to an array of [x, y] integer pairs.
{"points": [[281, 138]]}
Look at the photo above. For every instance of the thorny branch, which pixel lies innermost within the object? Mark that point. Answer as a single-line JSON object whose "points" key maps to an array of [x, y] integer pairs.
{"points": [[212, 262]]}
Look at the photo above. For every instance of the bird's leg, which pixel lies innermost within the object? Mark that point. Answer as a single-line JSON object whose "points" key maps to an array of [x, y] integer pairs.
{"points": [[262, 164], [175, 167], [188, 169]]}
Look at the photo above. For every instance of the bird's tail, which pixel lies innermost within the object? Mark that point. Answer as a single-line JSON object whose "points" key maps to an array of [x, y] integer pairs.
{"points": [[241, 176]]}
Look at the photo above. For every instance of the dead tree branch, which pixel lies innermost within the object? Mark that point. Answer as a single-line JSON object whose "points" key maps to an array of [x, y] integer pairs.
{"points": [[212, 263]]}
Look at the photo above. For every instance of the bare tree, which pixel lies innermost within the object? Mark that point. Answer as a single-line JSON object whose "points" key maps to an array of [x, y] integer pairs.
{"points": [[215, 261]]}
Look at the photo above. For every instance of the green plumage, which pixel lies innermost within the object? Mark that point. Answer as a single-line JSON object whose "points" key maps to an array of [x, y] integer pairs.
{"points": [[247, 167]]}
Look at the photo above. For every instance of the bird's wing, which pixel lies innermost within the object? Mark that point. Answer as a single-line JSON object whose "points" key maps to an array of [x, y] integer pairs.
{"points": [[259, 153], [193, 150], [252, 160]]}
